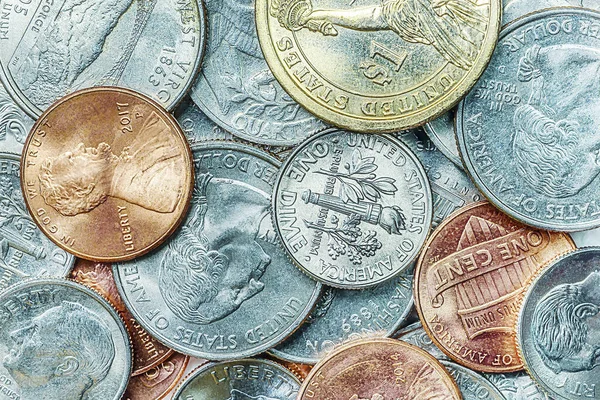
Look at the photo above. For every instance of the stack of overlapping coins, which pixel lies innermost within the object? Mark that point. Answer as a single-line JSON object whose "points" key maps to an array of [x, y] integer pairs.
{"points": [[284, 199]]}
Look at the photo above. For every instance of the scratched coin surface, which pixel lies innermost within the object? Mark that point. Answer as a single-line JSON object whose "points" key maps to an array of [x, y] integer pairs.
{"points": [[24, 251], [223, 287], [377, 66], [527, 132], [14, 124], [112, 160], [147, 351], [379, 369], [61, 341], [441, 133], [50, 48], [514, 9], [470, 279], [517, 386], [558, 330], [353, 209], [157, 382], [343, 315]]}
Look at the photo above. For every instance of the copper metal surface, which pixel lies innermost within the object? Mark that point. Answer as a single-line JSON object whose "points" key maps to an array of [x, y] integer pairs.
{"points": [[157, 382]]}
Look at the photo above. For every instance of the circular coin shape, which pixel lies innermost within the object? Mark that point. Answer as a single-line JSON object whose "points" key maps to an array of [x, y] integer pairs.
{"points": [[157, 382], [375, 369], [14, 124], [472, 385], [441, 133], [353, 210], [470, 279], [558, 326], [222, 288], [111, 159], [533, 154], [52, 48], [61, 341], [377, 66], [514, 9]]}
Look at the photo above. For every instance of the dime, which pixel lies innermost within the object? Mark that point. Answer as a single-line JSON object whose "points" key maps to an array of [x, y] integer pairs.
{"points": [[353, 210], [377, 66], [61, 341], [472, 385], [441, 133], [379, 369], [526, 137], [24, 251], [111, 159], [470, 279], [222, 288], [558, 330], [157, 382], [517, 386], [247, 379], [147, 351], [343, 315], [514, 9], [14, 124], [52, 48]]}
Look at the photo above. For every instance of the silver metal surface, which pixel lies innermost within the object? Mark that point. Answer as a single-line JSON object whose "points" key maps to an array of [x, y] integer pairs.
{"points": [[517, 386], [14, 124], [472, 385], [441, 133], [514, 9]]}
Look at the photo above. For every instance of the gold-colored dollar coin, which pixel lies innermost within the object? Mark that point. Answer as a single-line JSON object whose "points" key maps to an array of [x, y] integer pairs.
{"points": [[377, 66], [107, 174]]}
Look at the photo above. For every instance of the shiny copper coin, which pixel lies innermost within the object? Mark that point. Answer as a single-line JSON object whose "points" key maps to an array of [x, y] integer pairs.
{"points": [[470, 279], [147, 351], [107, 174], [157, 382], [379, 369]]}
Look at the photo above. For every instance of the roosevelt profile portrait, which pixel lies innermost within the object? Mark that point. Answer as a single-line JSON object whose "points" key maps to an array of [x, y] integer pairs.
{"points": [[565, 327], [63, 353]]}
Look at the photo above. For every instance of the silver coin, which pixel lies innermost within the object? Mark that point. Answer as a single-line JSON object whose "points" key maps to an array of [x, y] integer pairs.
{"points": [[61, 341], [472, 386], [50, 48], [236, 87], [250, 379], [353, 210], [24, 250], [517, 386], [222, 288], [450, 186], [415, 334], [14, 124], [344, 315], [527, 131], [441, 133], [558, 330], [514, 9]]}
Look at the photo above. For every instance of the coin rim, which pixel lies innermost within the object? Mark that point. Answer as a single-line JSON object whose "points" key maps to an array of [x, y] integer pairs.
{"points": [[494, 392], [433, 136]]}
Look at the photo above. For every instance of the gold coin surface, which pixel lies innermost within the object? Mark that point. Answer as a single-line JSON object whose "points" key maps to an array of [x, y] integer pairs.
{"points": [[107, 174], [377, 65]]}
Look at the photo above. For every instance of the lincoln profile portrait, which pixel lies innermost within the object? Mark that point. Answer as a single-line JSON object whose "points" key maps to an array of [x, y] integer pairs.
{"points": [[64, 353], [565, 328]]}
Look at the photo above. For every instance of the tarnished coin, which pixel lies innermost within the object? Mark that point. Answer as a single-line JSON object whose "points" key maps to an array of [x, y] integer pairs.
{"points": [[377, 66], [50, 48], [558, 328], [514, 9], [300, 370], [353, 210], [14, 124], [517, 386], [24, 251], [470, 279], [247, 379], [441, 133], [222, 288], [107, 174], [472, 385], [147, 351], [343, 315], [379, 369], [527, 132], [61, 341], [157, 382]]}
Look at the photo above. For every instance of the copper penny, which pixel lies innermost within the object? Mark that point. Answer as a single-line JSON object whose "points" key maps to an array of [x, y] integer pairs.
{"points": [[147, 351], [107, 174], [300, 370], [157, 382], [379, 369], [470, 279]]}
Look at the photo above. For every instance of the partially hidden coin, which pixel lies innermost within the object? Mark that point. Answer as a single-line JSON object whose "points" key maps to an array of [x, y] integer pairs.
{"points": [[377, 67], [245, 379], [147, 351], [470, 279], [223, 287], [14, 124], [558, 326], [517, 386], [525, 136], [157, 382], [25, 252], [415, 334], [61, 341], [379, 369], [514, 9], [49, 49], [441, 133], [107, 174], [472, 386], [353, 210], [300, 370]]}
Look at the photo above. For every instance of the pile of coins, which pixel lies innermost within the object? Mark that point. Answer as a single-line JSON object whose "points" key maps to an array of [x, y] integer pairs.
{"points": [[283, 199]]}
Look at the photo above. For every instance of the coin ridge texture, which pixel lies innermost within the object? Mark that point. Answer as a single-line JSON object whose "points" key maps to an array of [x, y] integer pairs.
{"points": [[49, 324], [352, 210], [441, 132], [109, 158], [470, 279], [222, 288], [366, 67]]}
